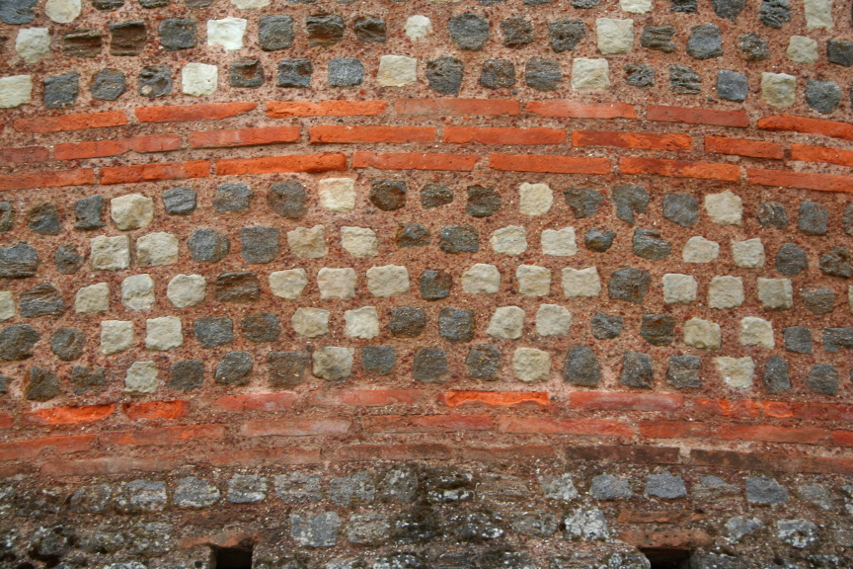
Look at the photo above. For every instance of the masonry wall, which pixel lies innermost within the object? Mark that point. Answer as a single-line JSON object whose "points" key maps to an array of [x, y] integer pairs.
{"points": [[426, 284]]}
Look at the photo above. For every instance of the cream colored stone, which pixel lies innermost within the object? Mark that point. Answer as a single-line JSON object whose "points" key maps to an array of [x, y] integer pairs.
{"points": [[724, 208], [337, 194], [756, 332], [7, 305], [133, 211], [700, 250], [336, 283], [725, 292], [614, 36], [186, 290], [390, 280], [142, 377], [116, 336], [778, 89], [310, 322], [199, 79], [164, 333], [362, 322], [33, 44], [481, 279], [511, 240], [590, 74], [137, 292], [737, 373], [533, 280], [776, 293], [819, 14], [636, 6], [308, 243], [397, 71], [802, 49], [581, 282], [559, 242], [92, 299], [530, 364], [332, 363], [63, 11], [359, 241], [15, 91], [110, 253], [535, 199], [250, 4], [702, 334], [227, 32], [157, 249], [288, 284], [679, 288], [749, 254], [553, 320], [418, 27], [507, 323]]}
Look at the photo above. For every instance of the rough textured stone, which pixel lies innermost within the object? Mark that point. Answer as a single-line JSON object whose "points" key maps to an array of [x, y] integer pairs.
{"points": [[186, 375], [61, 91], [199, 79], [430, 365], [459, 239], [137, 292], [68, 343], [207, 245], [378, 360], [177, 33], [41, 300], [310, 322], [155, 81], [17, 342], [765, 492], [798, 339], [444, 75], [559, 243], [778, 89], [637, 370], [756, 332], [317, 530], [246, 73], [108, 84], [530, 364], [748, 254], [799, 534], [683, 372], [482, 202], [435, 195], [407, 321], [702, 334], [732, 86], [813, 218], [294, 73], [610, 487], [227, 33], [390, 280], [212, 331], [288, 284], [840, 52], [435, 284], [629, 284], [246, 489], [259, 245], [179, 201], [802, 49], [775, 293], [336, 283], [658, 329], [233, 369], [128, 38], [565, 34], [62, 11], [396, 71], [818, 299], [82, 43], [729, 9], [705, 42], [507, 323], [641, 76], [542, 74], [388, 195], [116, 336], [583, 201], [835, 339], [774, 13], [141, 377], [605, 327], [587, 525], [7, 213], [455, 325], [43, 385], [679, 288], [332, 363], [43, 218], [324, 30], [553, 320], [298, 487], [791, 259], [193, 492], [345, 72], [157, 249], [497, 74], [517, 32], [737, 373], [700, 250], [630, 200], [771, 214], [362, 323], [836, 263], [7, 305], [483, 362], [511, 240], [581, 282], [599, 241], [684, 81], [725, 292], [468, 31], [649, 244], [308, 243], [275, 32], [371, 29], [87, 379], [590, 74], [232, 197], [261, 327], [659, 38], [533, 280], [582, 367], [20, 261], [753, 47], [67, 259], [614, 36], [665, 485]]}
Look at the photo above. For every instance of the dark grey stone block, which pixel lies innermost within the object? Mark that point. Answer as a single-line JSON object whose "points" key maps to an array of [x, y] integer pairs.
{"points": [[186, 375], [640, 76], [378, 360], [582, 367], [41, 300], [430, 365], [599, 241], [61, 91], [435, 284], [732, 86], [729, 9], [705, 42], [128, 38], [17, 12], [259, 245], [753, 47], [212, 331], [294, 73], [823, 96], [232, 197], [791, 259], [684, 81], [155, 81], [454, 239], [345, 72], [774, 13], [370, 29], [43, 385], [388, 195], [261, 327], [798, 339], [207, 245], [659, 38], [630, 200], [836, 263], [179, 201], [629, 284], [456, 325], [68, 343], [681, 209], [286, 369], [67, 259], [177, 33], [566, 34], [89, 212], [246, 73], [683, 372], [658, 329], [17, 342], [82, 43], [765, 492], [823, 378], [235, 368], [583, 201], [407, 321], [7, 217], [483, 362], [288, 199], [605, 327], [818, 299], [275, 32], [840, 52], [772, 214], [482, 202], [468, 31], [87, 379], [412, 235], [542, 74], [324, 30], [776, 378], [444, 75], [637, 370], [497, 74], [43, 218], [517, 32], [435, 195], [649, 244]]}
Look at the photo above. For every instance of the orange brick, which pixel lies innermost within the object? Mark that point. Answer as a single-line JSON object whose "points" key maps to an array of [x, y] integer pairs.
{"points": [[574, 109], [622, 401], [369, 397], [772, 434], [464, 135], [161, 436], [337, 133], [294, 427], [804, 180], [410, 451], [156, 410], [744, 147], [642, 140], [741, 408], [24, 155], [202, 112], [244, 136], [71, 415], [496, 398], [674, 429], [679, 168], [823, 127], [455, 107], [427, 423], [415, 161], [101, 148], [310, 163], [551, 164], [284, 109], [808, 153], [842, 438], [30, 448], [257, 401], [155, 172], [778, 409], [822, 411], [155, 143], [697, 116], [75, 177], [553, 426], [80, 121]]}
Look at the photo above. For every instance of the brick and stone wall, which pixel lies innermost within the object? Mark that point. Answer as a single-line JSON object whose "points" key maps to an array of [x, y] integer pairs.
{"points": [[516, 284]]}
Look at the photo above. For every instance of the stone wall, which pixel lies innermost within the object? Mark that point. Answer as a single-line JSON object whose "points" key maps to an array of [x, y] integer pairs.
{"points": [[426, 284]]}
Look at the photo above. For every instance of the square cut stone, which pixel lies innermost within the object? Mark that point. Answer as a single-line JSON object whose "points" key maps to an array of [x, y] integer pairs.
{"points": [[186, 290], [679, 288], [535, 199], [553, 320], [776, 293], [137, 292], [481, 279], [227, 33], [590, 74], [15, 91], [336, 283], [163, 333], [142, 377], [507, 323], [778, 89], [199, 79], [737, 373], [92, 299], [308, 243], [533, 280], [110, 253], [133, 211], [362, 323], [359, 241], [749, 254], [396, 71], [332, 363], [700, 250], [530, 364], [7, 305], [756, 332], [157, 249], [390, 280], [310, 322], [337, 194], [511, 240], [559, 242], [116, 336], [582, 282], [288, 284], [614, 36], [725, 208], [702, 334], [725, 292]]}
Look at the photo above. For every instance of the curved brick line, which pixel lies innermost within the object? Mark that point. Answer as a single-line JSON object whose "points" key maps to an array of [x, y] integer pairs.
{"points": [[549, 164], [823, 127], [679, 168], [203, 112], [803, 180], [155, 172], [286, 109], [574, 109]]}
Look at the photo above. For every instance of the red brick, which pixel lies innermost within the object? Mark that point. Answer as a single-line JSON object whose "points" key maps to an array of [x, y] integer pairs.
{"points": [[623, 401], [29, 448], [156, 410], [669, 538], [496, 398], [409, 451], [75, 177], [294, 427], [823, 127], [550, 164], [244, 136], [79, 121], [822, 411], [310, 163], [697, 116], [426, 423], [744, 147], [455, 107], [804, 180], [6, 421], [778, 409], [632, 454], [369, 397], [463, 135], [263, 456], [739, 408], [202, 112], [108, 465], [550, 425], [674, 429], [679, 168], [415, 161], [24, 155], [71, 415], [161, 435], [102, 148], [509, 454], [772, 434], [328, 133], [808, 153], [573, 109], [641, 140], [842, 438], [736, 460], [257, 401], [284, 109], [155, 172]]}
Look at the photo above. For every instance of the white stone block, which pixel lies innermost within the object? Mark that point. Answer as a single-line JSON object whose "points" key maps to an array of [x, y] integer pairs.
{"points": [[199, 79], [749, 254], [332, 363], [535, 199], [309, 243], [137, 292], [336, 283], [533, 280], [737, 373], [390, 280], [481, 279], [142, 377], [553, 320], [778, 89], [397, 71], [164, 333], [63, 11], [702, 334], [802, 49], [15, 91], [110, 253], [33, 44], [116, 336], [511, 240], [288, 284], [310, 322], [590, 74], [337, 194], [776, 293], [186, 290], [418, 27], [700, 250], [756, 332], [92, 299], [679, 288], [157, 249], [359, 241], [581, 282], [725, 292], [507, 323], [559, 242], [362, 323], [7, 305], [227, 32], [530, 364], [614, 36], [724, 208], [133, 211]]}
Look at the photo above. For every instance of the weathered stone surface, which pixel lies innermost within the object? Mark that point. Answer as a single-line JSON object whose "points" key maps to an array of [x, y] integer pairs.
{"points": [[665, 486], [725, 292], [275, 32], [506, 323], [517, 32], [116, 336], [407, 321], [435, 284], [840, 52], [389, 280], [15, 91], [41, 300], [17, 342], [614, 36], [286, 369], [456, 325], [648, 244], [388, 195], [62, 11], [7, 214], [142, 377], [566, 34], [294, 73], [659, 38], [497, 74], [298, 487], [637, 370], [510, 240], [207, 245], [737, 373], [813, 218], [605, 327], [43, 385], [396, 71], [259, 245], [43, 218], [729, 9], [315, 530], [87, 379], [482, 202], [193, 492], [778, 89], [772, 214], [823, 378], [227, 32], [468, 31], [372, 29], [128, 38], [483, 362], [232, 197], [835, 339], [630, 200], [756, 332], [61, 91], [186, 375], [637, 75], [542, 74], [246, 489], [774, 13], [684, 81], [108, 84], [199, 79], [180, 200], [610, 487], [802, 49], [753, 47], [732, 86], [237, 287], [67, 259], [68, 343], [444, 75], [310, 322], [7, 305], [345, 72], [459, 239], [679, 288], [590, 74], [177, 33], [599, 241], [553, 320], [261, 327], [362, 323], [582, 367], [658, 329], [212, 331], [818, 299], [765, 491], [332, 363], [378, 360], [531, 364], [435, 195], [798, 533], [705, 42], [702, 334], [18, 261], [246, 73], [430, 365], [629, 284], [234, 368], [683, 372], [155, 81], [324, 29]]}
